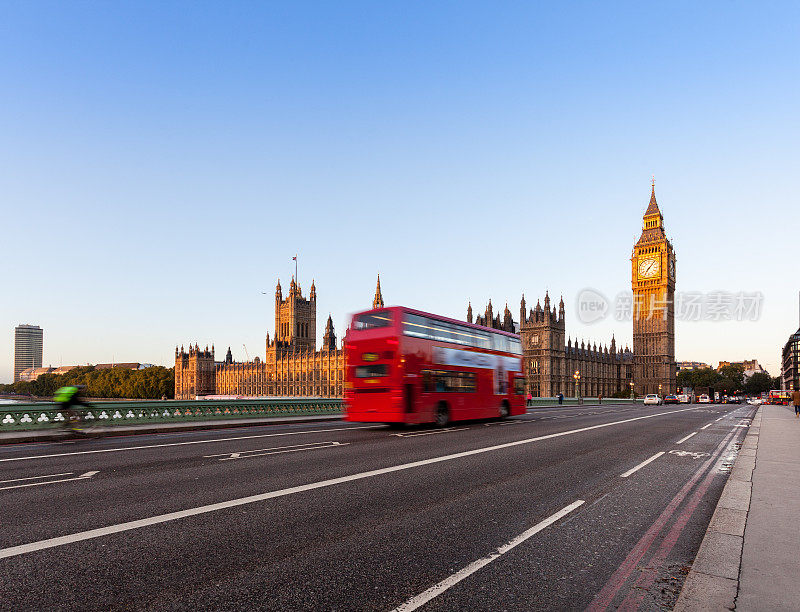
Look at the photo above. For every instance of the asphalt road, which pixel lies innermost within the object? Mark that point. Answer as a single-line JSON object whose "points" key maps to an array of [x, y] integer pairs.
{"points": [[540, 512]]}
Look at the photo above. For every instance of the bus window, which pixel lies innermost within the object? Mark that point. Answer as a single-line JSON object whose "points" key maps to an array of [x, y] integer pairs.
{"points": [[374, 370], [382, 318]]}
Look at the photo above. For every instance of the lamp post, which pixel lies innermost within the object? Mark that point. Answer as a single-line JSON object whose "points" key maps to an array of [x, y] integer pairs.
{"points": [[633, 397], [659, 390], [577, 377]]}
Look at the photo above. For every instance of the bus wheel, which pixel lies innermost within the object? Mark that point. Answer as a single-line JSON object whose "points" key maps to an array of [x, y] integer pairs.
{"points": [[442, 414], [504, 409]]}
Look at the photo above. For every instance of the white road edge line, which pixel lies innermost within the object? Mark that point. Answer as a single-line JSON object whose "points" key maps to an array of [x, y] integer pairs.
{"points": [[706, 426], [47, 482], [36, 477], [641, 465], [428, 433], [291, 450], [22, 549], [440, 587], [258, 450], [682, 440], [128, 448]]}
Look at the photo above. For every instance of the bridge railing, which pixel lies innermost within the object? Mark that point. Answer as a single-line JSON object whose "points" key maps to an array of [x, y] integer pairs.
{"points": [[19, 417]]}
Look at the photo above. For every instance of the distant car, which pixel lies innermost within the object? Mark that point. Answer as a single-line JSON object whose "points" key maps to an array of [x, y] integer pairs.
{"points": [[731, 399], [755, 401], [652, 398], [671, 399], [684, 399], [704, 399]]}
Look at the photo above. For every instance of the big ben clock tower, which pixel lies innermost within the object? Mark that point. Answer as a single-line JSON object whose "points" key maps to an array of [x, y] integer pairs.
{"points": [[653, 283]]}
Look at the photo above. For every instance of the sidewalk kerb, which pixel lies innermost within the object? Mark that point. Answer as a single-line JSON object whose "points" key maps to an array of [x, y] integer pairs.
{"points": [[713, 581]]}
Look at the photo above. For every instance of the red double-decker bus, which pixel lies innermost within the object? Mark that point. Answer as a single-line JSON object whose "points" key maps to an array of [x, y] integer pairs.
{"points": [[407, 366]]}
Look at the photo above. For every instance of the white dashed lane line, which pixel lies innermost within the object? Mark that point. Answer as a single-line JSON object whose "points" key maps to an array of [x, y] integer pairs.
{"points": [[641, 465], [440, 587], [682, 440]]}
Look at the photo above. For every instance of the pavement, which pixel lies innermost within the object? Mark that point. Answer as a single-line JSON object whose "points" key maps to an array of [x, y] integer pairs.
{"points": [[590, 507], [749, 556]]}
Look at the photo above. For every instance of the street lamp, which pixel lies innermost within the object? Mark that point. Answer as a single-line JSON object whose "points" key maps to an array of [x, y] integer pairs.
{"points": [[632, 395], [659, 389], [577, 377]]}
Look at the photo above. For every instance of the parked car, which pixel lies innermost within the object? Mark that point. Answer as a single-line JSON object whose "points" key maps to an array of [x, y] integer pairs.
{"points": [[671, 399], [651, 399], [704, 399]]}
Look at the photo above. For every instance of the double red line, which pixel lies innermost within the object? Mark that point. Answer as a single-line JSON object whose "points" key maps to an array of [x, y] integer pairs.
{"points": [[609, 591]]}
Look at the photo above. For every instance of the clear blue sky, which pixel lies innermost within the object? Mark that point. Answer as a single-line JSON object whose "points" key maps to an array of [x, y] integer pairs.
{"points": [[160, 163]]}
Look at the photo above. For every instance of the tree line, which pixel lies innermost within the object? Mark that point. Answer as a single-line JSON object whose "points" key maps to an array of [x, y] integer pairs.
{"points": [[729, 379], [150, 383]]}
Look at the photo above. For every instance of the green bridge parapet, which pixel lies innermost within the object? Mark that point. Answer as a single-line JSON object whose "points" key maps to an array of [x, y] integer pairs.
{"points": [[44, 415]]}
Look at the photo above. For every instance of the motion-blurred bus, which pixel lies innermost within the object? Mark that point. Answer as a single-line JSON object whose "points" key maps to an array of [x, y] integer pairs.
{"points": [[407, 366]]}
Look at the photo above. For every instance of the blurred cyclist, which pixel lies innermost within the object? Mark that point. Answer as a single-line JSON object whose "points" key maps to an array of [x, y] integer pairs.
{"points": [[68, 398]]}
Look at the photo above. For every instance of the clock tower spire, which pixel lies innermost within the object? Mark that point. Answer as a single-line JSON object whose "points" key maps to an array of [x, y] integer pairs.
{"points": [[653, 284]]}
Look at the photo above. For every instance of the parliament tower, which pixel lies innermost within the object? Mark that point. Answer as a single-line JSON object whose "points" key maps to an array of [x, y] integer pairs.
{"points": [[653, 284]]}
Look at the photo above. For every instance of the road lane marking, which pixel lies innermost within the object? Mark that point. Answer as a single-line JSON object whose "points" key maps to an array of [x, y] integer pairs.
{"points": [[632, 562], [22, 549], [696, 455], [277, 450], [648, 574], [428, 433], [641, 465], [440, 587], [682, 440], [128, 448], [706, 426], [36, 477], [85, 476]]}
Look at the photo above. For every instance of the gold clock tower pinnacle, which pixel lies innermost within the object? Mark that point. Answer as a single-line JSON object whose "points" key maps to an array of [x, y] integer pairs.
{"points": [[653, 284]]}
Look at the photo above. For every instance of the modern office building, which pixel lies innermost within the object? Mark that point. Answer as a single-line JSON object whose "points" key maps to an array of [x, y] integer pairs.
{"points": [[789, 366], [27, 348]]}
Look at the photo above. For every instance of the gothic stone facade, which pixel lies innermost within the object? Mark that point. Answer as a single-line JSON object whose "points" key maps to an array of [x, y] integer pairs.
{"points": [[550, 359], [653, 284], [293, 366]]}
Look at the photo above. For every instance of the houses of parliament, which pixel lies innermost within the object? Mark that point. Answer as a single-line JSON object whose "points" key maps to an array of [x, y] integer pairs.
{"points": [[294, 367], [550, 362]]}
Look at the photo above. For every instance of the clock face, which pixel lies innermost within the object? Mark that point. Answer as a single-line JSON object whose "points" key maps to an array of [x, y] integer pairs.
{"points": [[649, 267]]}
